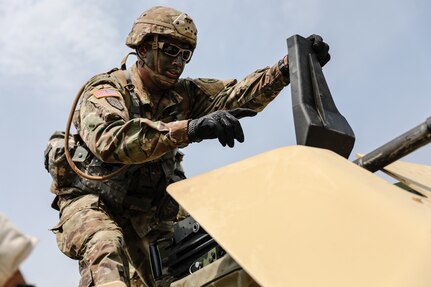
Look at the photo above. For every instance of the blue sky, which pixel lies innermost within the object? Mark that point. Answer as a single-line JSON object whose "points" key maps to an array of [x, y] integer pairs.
{"points": [[379, 76]]}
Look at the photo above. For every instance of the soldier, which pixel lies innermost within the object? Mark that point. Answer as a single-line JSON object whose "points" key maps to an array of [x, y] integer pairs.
{"points": [[141, 116]]}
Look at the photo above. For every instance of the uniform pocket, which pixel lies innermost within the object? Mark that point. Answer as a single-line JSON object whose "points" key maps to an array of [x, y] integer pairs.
{"points": [[79, 220], [60, 237]]}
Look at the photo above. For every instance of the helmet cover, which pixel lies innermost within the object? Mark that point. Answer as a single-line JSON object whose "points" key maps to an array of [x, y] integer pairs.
{"points": [[163, 21]]}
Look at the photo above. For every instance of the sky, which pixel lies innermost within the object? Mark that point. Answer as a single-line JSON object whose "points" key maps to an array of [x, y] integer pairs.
{"points": [[378, 75]]}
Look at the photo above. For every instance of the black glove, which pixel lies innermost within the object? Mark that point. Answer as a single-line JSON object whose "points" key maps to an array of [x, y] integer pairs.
{"points": [[321, 49], [223, 125]]}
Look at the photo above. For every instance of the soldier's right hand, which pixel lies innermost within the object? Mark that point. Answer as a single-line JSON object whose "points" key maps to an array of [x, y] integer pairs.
{"points": [[223, 125]]}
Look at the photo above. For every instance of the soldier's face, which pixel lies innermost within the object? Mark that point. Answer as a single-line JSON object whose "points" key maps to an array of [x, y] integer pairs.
{"points": [[172, 56]]}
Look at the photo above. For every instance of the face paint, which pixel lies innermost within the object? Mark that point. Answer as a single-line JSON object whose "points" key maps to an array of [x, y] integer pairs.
{"points": [[164, 61]]}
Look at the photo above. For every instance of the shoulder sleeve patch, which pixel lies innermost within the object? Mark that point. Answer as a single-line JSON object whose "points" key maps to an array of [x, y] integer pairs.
{"points": [[106, 93], [115, 103]]}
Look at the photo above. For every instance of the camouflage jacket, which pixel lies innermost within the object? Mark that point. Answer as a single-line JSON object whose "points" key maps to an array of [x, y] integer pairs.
{"points": [[120, 123], [115, 135]]}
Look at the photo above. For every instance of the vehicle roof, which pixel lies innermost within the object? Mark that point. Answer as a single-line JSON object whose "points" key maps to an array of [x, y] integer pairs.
{"points": [[302, 216]]}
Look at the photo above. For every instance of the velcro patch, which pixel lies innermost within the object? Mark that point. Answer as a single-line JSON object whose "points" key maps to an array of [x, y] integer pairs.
{"points": [[106, 93], [115, 103]]}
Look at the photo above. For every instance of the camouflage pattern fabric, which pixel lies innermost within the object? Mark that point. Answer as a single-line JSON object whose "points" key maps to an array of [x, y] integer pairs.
{"points": [[162, 21], [88, 232], [107, 224], [114, 137], [57, 165]]}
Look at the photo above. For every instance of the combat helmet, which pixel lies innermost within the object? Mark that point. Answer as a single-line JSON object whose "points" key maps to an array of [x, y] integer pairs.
{"points": [[165, 21]]}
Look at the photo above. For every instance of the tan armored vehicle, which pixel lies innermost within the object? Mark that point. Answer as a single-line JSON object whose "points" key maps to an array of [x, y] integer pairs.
{"points": [[303, 216], [306, 216]]}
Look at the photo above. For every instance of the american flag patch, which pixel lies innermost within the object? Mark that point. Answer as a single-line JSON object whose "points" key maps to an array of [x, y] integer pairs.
{"points": [[106, 93]]}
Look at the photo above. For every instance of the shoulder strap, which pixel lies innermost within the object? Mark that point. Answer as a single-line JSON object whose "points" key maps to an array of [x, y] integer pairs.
{"points": [[135, 104], [131, 99]]}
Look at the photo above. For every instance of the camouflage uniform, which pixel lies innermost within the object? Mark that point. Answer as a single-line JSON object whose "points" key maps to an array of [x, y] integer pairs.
{"points": [[106, 224]]}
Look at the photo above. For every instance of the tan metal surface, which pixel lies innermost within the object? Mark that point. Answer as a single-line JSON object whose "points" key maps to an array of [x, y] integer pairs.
{"points": [[415, 176], [299, 216]]}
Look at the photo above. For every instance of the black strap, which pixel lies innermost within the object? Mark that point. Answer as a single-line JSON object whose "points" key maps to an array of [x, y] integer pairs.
{"points": [[135, 105]]}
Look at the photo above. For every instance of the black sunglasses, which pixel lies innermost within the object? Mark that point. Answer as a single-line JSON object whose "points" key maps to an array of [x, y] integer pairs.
{"points": [[173, 51]]}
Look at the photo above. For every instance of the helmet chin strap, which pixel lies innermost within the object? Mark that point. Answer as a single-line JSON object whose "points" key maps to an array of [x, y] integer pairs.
{"points": [[161, 81]]}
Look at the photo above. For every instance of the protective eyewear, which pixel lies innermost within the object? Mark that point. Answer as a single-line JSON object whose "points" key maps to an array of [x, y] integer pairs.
{"points": [[173, 51]]}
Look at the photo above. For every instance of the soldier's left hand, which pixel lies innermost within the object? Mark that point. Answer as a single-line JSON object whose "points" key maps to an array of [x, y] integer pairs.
{"points": [[320, 48]]}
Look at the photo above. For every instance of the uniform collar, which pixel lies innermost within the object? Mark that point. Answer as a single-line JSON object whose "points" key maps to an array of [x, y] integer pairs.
{"points": [[144, 96]]}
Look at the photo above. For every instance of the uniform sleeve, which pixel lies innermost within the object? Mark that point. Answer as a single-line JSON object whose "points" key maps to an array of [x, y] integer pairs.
{"points": [[255, 92], [106, 128], [14, 248]]}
